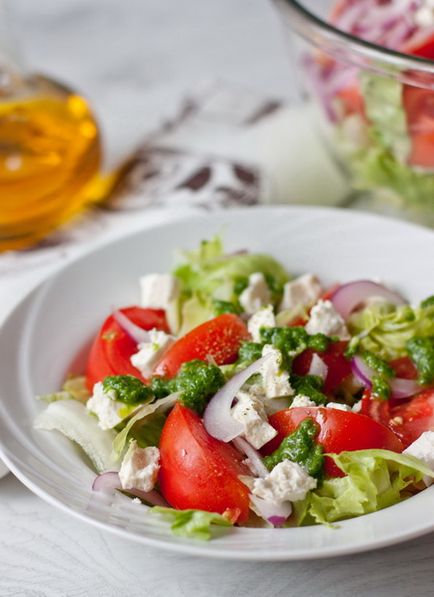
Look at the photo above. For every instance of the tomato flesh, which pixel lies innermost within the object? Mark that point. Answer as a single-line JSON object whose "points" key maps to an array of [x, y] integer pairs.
{"points": [[199, 471], [219, 339], [338, 367], [339, 431], [112, 348], [411, 419]]}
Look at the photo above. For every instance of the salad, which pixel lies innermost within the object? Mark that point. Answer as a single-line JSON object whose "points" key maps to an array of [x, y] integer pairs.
{"points": [[383, 127], [236, 394]]}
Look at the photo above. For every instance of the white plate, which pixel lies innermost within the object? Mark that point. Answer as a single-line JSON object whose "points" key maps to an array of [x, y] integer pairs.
{"points": [[46, 332]]}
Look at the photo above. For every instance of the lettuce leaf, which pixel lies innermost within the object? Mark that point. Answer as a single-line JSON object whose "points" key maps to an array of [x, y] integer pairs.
{"points": [[74, 388], [141, 413], [375, 479], [194, 524], [380, 162], [385, 329], [212, 274], [75, 422]]}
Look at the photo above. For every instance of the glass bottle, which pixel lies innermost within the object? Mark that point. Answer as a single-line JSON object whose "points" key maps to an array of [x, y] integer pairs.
{"points": [[50, 150]]}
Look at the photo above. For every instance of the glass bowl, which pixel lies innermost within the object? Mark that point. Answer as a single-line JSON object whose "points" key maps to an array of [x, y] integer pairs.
{"points": [[373, 106]]}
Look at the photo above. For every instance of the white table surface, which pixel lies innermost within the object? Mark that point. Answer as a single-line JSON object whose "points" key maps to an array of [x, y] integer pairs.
{"points": [[135, 59]]}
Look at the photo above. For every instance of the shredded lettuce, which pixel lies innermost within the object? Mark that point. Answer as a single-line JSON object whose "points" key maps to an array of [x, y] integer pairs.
{"points": [[385, 329], [121, 438], [194, 524], [379, 162], [375, 479], [208, 274], [74, 388], [75, 422]]}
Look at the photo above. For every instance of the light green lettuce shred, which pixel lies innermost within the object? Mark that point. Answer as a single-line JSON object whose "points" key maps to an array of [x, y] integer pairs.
{"points": [[143, 412], [379, 163], [74, 388], [194, 524], [71, 418], [375, 479], [384, 329]]}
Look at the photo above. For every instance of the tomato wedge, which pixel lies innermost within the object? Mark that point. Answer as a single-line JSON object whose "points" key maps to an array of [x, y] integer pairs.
{"points": [[411, 419], [199, 471], [219, 339], [338, 367], [339, 431], [112, 348]]}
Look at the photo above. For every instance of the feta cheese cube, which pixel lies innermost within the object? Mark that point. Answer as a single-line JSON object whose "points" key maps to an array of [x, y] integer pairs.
{"points": [[302, 401], [288, 481], [324, 319], [318, 367], [150, 353], [339, 406], [423, 448], [303, 291], [264, 318], [250, 412], [424, 16], [256, 295], [357, 407], [140, 467], [275, 380], [105, 406], [158, 291]]}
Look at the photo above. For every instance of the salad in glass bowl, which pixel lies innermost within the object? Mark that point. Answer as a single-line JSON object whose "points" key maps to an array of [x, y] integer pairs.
{"points": [[368, 67], [236, 394]]}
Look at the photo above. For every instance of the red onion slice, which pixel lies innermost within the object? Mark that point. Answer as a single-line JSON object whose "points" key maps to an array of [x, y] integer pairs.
{"points": [[349, 296], [109, 482], [403, 388], [218, 419], [255, 462], [400, 387], [151, 498], [135, 332], [275, 514], [106, 482]]}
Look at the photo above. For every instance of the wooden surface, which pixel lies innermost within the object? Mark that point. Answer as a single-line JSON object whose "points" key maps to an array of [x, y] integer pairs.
{"points": [[135, 59]]}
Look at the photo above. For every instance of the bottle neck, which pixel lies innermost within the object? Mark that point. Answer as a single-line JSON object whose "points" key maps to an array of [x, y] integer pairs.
{"points": [[12, 71]]}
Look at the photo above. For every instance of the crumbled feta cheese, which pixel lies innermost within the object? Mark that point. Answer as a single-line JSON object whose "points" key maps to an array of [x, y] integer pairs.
{"points": [[137, 500], [140, 467], [424, 16], [303, 291], [149, 353], [276, 382], [288, 481], [302, 401], [250, 412], [318, 367], [256, 295], [158, 291], [264, 318], [324, 319], [357, 407], [423, 448], [339, 406], [105, 406]]}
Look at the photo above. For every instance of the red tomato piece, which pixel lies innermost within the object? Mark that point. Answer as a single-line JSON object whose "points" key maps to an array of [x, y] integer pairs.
{"points": [[419, 108], [219, 338], [404, 368], [338, 367], [112, 348], [199, 471], [411, 419], [339, 431]]}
